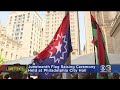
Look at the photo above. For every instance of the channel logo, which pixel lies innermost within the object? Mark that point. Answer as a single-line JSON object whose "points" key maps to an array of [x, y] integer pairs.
{"points": [[105, 68]]}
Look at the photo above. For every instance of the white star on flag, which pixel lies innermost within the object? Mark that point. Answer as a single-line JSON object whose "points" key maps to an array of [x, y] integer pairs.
{"points": [[57, 59], [58, 47]]}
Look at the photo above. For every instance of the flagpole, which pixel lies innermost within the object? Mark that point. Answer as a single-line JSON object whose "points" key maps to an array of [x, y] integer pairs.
{"points": [[67, 75], [94, 45], [94, 50], [94, 54]]}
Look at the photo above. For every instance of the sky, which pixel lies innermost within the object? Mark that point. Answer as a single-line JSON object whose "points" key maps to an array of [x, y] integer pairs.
{"points": [[4, 15]]}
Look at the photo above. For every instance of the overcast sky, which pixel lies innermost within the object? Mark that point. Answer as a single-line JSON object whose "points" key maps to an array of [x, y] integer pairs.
{"points": [[4, 15]]}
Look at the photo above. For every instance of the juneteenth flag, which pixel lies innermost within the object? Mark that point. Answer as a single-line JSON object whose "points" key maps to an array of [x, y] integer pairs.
{"points": [[99, 42], [58, 50]]}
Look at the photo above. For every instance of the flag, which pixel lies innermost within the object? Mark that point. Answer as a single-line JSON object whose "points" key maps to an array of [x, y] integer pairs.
{"points": [[59, 48], [99, 42]]}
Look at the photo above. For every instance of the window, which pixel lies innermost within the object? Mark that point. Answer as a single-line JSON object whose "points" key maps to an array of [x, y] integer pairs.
{"points": [[20, 37], [6, 54], [10, 20], [1, 50], [72, 30], [30, 51], [21, 28], [15, 19], [7, 46], [21, 33], [11, 55], [30, 42], [20, 15], [16, 30], [46, 37], [12, 47], [15, 16], [16, 56], [22, 24], [2, 43], [31, 33], [47, 32], [46, 40], [30, 46], [14, 22]]}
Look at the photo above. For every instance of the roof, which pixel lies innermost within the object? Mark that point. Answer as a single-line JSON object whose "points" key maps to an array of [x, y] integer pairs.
{"points": [[23, 61], [81, 59], [90, 59]]}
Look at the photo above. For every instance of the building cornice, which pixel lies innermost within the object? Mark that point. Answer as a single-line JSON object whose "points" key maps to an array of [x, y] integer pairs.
{"points": [[115, 27], [10, 39], [39, 15]]}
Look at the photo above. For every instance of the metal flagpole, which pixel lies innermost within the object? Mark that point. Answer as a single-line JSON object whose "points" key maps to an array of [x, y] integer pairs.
{"points": [[94, 45], [94, 49], [94, 54], [67, 75]]}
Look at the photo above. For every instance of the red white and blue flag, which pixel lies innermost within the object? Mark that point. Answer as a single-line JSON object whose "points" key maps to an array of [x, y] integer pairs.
{"points": [[58, 50]]}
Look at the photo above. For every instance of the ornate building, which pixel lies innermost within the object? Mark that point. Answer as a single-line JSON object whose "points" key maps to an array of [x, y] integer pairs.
{"points": [[115, 32], [9, 48], [104, 19]]}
